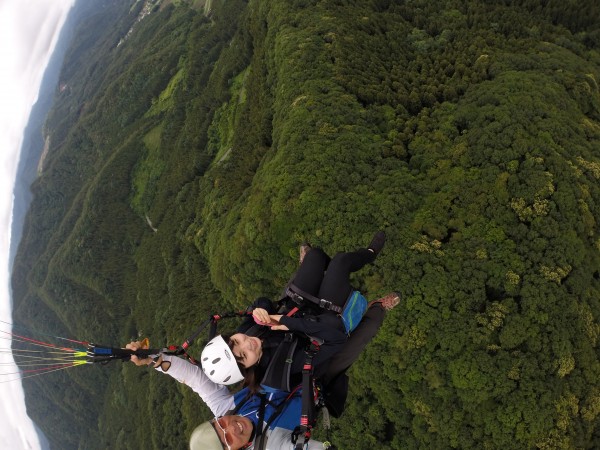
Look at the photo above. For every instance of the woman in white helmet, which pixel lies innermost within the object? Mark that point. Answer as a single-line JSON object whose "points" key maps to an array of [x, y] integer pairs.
{"points": [[254, 348]]}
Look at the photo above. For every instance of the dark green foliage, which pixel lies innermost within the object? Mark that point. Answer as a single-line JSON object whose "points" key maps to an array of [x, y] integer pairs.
{"points": [[189, 162]]}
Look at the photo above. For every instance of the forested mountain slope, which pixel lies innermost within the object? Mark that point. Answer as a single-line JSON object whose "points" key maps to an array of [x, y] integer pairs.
{"points": [[189, 159]]}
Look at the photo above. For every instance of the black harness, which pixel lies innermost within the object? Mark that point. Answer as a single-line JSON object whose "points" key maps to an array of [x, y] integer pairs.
{"points": [[278, 373], [279, 369]]}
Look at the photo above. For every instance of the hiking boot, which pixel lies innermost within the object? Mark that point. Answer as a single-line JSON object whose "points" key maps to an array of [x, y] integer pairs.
{"points": [[377, 242], [304, 249], [389, 302]]}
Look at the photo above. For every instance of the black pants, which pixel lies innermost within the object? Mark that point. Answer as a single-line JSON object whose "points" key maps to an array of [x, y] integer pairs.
{"points": [[330, 278], [356, 343], [335, 381]]}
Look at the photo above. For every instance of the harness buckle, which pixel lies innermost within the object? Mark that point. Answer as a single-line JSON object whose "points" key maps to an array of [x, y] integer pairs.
{"points": [[325, 304], [294, 296]]}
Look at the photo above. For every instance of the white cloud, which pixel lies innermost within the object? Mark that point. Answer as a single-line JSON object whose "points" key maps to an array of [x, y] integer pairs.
{"points": [[28, 34]]}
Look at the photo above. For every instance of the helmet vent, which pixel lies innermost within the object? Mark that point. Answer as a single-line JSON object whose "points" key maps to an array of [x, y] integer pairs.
{"points": [[216, 360]]}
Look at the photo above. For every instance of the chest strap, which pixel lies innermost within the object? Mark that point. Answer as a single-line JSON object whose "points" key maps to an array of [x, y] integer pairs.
{"points": [[298, 296]]}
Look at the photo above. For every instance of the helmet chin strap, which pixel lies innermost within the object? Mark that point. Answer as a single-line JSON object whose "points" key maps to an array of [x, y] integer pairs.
{"points": [[252, 434]]}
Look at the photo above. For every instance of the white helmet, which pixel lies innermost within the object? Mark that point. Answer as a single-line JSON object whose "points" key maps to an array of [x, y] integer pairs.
{"points": [[205, 437], [219, 364]]}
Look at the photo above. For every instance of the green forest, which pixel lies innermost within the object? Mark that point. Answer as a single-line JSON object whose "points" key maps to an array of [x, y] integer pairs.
{"points": [[195, 147]]}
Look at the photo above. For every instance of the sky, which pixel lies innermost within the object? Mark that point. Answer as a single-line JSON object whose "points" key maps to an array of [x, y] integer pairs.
{"points": [[29, 31]]}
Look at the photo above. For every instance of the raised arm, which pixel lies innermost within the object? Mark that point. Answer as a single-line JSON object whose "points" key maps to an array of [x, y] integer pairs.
{"points": [[217, 397]]}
